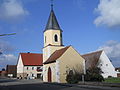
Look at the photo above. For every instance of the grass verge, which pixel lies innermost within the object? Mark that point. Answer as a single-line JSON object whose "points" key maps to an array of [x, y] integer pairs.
{"points": [[112, 80]]}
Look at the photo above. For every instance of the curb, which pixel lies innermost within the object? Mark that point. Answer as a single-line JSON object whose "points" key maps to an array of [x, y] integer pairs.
{"points": [[83, 85]]}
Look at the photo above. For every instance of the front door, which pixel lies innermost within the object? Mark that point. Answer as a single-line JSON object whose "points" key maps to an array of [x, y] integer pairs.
{"points": [[49, 75]]}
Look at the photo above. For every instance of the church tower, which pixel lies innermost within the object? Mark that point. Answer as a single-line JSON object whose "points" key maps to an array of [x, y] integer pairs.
{"points": [[52, 36]]}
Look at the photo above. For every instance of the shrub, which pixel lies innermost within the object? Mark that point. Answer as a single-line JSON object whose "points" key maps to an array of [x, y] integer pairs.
{"points": [[73, 77], [94, 74]]}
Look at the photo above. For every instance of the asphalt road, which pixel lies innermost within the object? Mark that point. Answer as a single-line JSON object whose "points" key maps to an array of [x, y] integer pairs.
{"points": [[38, 85]]}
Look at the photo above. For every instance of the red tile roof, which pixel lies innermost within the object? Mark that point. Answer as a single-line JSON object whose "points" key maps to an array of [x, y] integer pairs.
{"points": [[56, 55], [32, 59], [91, 59]]}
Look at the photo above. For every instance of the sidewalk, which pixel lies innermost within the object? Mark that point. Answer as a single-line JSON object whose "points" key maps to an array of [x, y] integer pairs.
{"points": [[100, 84], [19, 82], [90, 85]]}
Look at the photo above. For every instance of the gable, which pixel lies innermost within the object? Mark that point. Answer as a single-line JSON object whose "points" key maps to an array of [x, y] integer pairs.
{"points": [[57, 54], [91, 59], [71, 60], [71, 56], [20, 62]]}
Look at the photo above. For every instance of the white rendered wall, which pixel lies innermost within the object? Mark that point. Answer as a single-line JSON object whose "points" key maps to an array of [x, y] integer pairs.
{"points": [[31, 71], [106, 66], [20, 65], [57, 71]]}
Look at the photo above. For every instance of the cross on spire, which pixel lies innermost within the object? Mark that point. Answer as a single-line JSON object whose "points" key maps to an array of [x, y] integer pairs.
{"points": [[51, 4], [52, 20]]}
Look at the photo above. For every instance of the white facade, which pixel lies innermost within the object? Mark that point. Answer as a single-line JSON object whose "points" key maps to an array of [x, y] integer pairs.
{"points": [[20, 65], [28, 72], [106, 66], [57, 71]]}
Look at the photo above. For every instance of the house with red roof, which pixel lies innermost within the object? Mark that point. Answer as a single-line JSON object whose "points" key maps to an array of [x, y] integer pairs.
{"points": [[29, 65]]}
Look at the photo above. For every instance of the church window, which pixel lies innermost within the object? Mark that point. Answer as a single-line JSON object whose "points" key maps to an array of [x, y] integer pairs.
{"points": [[56, 38], [61, 35], [45, 39]]}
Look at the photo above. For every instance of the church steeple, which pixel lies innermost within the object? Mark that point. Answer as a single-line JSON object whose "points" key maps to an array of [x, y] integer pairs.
{"points": [[52, 36], [52, 21]]}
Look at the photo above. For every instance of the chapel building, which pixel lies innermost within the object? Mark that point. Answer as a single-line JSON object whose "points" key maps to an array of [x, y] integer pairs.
{"points": [[58, 59]]}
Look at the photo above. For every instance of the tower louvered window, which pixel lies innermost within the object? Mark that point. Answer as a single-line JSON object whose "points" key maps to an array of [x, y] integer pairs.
{"points": [[56, 38]]}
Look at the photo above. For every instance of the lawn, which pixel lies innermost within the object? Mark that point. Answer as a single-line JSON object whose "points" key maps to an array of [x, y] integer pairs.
{"points": [[112, 80]]}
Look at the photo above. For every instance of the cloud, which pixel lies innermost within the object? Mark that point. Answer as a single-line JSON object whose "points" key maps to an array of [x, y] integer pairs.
{"points": [[12, 10], [109, 13], [112, 49], [6, 59], [5, 46], [5, 54]]}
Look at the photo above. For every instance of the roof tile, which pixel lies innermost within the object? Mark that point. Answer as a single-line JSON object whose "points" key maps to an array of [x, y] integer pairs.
{"points": [[32, 59]]}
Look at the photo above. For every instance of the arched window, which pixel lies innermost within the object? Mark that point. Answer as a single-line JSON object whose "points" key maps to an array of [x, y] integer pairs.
{"points": [[56, 38], [45, 39]]}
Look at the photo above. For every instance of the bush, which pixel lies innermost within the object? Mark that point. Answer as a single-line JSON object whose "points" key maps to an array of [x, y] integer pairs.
{"points": [[94, 74], [73, 77]]}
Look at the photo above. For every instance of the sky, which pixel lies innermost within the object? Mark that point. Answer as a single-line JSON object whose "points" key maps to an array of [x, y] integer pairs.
{"points": [[88, 25]]}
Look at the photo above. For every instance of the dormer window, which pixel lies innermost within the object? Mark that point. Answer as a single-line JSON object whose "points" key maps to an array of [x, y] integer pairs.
{"points": [[56, 38]]}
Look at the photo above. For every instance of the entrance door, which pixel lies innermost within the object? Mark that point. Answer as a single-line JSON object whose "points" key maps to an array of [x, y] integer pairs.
{"points": [[49, 75]]}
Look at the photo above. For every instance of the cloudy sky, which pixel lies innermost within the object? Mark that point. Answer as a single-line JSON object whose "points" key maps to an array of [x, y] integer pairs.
{"points": [[88, 25]]}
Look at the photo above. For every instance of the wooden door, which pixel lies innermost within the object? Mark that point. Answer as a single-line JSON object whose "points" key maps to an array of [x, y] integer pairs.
{"points": [[49, 75]]}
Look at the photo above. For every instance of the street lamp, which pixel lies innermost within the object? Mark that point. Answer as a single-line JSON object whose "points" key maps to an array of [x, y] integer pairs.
{"points": [[7, 34]]}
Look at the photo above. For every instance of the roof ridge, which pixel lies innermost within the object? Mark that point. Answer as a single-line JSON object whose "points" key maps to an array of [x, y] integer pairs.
{"points": [[63, 48], [92, 52], [31, 53]]}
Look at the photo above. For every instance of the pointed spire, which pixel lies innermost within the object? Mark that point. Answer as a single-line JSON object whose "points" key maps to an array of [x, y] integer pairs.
{"points": [[52, 21]]}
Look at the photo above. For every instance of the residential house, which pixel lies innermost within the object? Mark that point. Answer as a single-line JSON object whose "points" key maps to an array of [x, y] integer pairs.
{"points": [[11, 71], [29, 66], [3, 73]]}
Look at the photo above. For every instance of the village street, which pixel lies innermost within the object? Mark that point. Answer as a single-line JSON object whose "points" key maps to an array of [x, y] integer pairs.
{"points": [[39, 85]]}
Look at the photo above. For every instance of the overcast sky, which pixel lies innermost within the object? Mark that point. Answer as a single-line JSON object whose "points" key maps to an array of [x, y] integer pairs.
{"points": [[88, 25]]}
